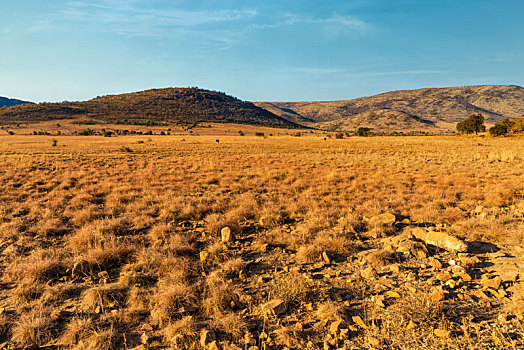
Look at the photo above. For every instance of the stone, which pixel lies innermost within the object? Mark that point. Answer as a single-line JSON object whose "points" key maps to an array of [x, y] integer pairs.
{"points": [[451, 284], [359, 322], [464, 276], [437, 296], [207, 337], [336, 327], [249, 339], [395, 268], [444, 241], [419, 233], [369, 273], [386, 219], [212, 346], [435, 263], [421, 254], [442, 333], [146, 338], [491, 282], [226, 235], [392, 294], [373, 341], [275, 307], [443, 276], [204, 256]]}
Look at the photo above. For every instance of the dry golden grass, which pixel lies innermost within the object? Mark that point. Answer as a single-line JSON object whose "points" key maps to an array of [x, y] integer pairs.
{"points": [[99, 245]]}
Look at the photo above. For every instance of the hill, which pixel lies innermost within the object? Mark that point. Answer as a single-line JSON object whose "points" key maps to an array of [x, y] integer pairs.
{"points": [[422, 109], [169, 105], [8, 102]]}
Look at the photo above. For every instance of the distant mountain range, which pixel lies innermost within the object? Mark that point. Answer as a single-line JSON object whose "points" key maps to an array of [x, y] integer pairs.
{"points": [[430, 109], [422, 109], [8, 102]]}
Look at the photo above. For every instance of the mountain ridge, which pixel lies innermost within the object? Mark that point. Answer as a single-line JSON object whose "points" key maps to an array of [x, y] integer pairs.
{"points": [[425, 108]]}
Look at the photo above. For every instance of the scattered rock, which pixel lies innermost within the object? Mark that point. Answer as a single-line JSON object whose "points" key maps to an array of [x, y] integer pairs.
{"points": [[435, 263], [437, 296], [443, 276], [392, 294], [227, 235], [442, 333], [465, 276], [359, 322], [369, 273], [336, 327], [444, 241], [204, 256], [275, 307], [207, 337], [373, 341], [146, 338], [325, 257], [491, 282], [385, 219]]}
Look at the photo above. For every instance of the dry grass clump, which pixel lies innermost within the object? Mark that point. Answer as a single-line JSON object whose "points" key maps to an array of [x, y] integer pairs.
{"points": [[409, 323], [309, 254], [77, 329], [33, 329], [169, 298], [100, 299], [380, 258], [100, 339], [59, 293], [215, 222], [335, 244], [232, 324], [181, 334], [294, 289], [41, 266], [330, 311], [287, 336], [220, 295], [5, 327]]}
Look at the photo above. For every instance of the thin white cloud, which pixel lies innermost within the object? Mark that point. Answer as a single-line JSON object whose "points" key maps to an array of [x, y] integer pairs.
{"points": [[316, 70], [344, 23], [217, 28], [335, 24]]}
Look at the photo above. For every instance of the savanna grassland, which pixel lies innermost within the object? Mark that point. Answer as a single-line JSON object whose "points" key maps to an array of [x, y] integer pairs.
{"points": [[245, 242]]}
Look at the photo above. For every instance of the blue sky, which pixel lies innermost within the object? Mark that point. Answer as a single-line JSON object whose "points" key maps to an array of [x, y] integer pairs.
{"points": [[258, 50]]}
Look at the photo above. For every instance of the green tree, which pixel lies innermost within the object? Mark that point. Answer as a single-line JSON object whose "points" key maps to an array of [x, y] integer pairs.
{"points": [[501, 128], [473, 124], [363, 131]]}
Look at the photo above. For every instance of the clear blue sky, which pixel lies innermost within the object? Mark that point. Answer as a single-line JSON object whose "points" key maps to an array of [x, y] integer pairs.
{"points": [[257, 50]]}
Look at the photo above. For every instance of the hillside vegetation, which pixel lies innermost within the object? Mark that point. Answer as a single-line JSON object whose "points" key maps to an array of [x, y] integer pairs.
{"points": [[422, 109], [169, 105]]}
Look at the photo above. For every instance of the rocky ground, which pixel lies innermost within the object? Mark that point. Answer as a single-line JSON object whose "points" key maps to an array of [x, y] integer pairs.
{"points": [[407, 285]]}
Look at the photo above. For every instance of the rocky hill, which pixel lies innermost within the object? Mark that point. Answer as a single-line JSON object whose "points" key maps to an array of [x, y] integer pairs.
{"points": [[169, 105], [422, 109], [8, 102]]}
